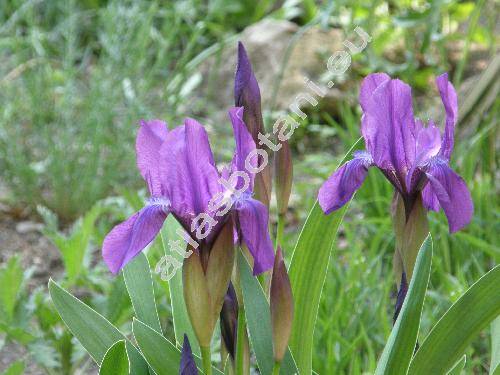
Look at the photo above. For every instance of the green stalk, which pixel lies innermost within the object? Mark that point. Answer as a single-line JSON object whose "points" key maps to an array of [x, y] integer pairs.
{"points": [[240, 342], [279, 230], [276, 368], [206, 359]]}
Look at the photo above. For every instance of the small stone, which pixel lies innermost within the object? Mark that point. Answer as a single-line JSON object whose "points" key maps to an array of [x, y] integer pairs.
{"points": [[24, 227]]}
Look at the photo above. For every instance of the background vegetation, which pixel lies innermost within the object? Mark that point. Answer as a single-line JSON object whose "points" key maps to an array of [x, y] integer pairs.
{"points": [[75, 76]]}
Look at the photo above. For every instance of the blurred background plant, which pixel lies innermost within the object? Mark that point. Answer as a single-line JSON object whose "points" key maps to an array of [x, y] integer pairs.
{"points": [[76, 76]]}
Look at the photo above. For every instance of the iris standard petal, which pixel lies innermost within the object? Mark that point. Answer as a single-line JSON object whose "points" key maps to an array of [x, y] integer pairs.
{"points": [[449, 99], [188, 170], [129, 238], [188, 365], [368, 86], [428, 142], [149, 139], [343, 183], [452, 193], [427, 146], [253, 219], [389, 127], [244, 145]]}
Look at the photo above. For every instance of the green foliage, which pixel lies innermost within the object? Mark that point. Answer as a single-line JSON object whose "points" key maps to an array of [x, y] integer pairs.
{"points": [[140, 288], [73, 247], [180, 318], [16, 368], [319, 233], [77, 75], [401, 344], [115, 361], [11, 279], [456, 329], [258, 319]]}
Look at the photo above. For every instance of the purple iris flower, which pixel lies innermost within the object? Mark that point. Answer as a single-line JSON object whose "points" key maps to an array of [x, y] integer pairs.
{"points": [[413, 157], [179, 169]]}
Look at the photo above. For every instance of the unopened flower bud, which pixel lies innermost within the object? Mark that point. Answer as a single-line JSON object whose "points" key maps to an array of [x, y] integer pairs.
{"points": [[283, 174], [197, 299], [204, 290], [247, 94], [229, 320], [411, 228], [188, 365], [281, 307]]}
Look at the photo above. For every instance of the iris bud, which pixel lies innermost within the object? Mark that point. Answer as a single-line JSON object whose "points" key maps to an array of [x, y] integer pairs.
{"points": [[283, 172], [281, 307], [247, 95], [188, 365], [411, 228], [229, 320]]}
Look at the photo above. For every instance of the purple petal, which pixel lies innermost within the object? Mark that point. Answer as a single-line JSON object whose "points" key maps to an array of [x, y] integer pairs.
{"points": [[188, 170], [343, 183], [429, 198], [452, 193], [449, 99], [150, 136], [188, 365], [253, 220], [370, 83], [428, 145], [389, 127], [247, 93], [129, 238], [244, 145]]}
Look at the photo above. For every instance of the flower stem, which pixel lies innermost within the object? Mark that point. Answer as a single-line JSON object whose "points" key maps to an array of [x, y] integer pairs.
{"points": [[206, 359], [276, 368], [279, 230], [240, 342]]}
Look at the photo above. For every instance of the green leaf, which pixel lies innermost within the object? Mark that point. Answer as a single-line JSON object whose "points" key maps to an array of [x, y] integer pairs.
{"points": [[459, 366], [115, 361], [449, 338], [180, 317], [11, 280], [162, 355], [258, 318], [495, 347], [307, 275], [400, 346], [95, 332], [16, 368], [139, 284]]}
